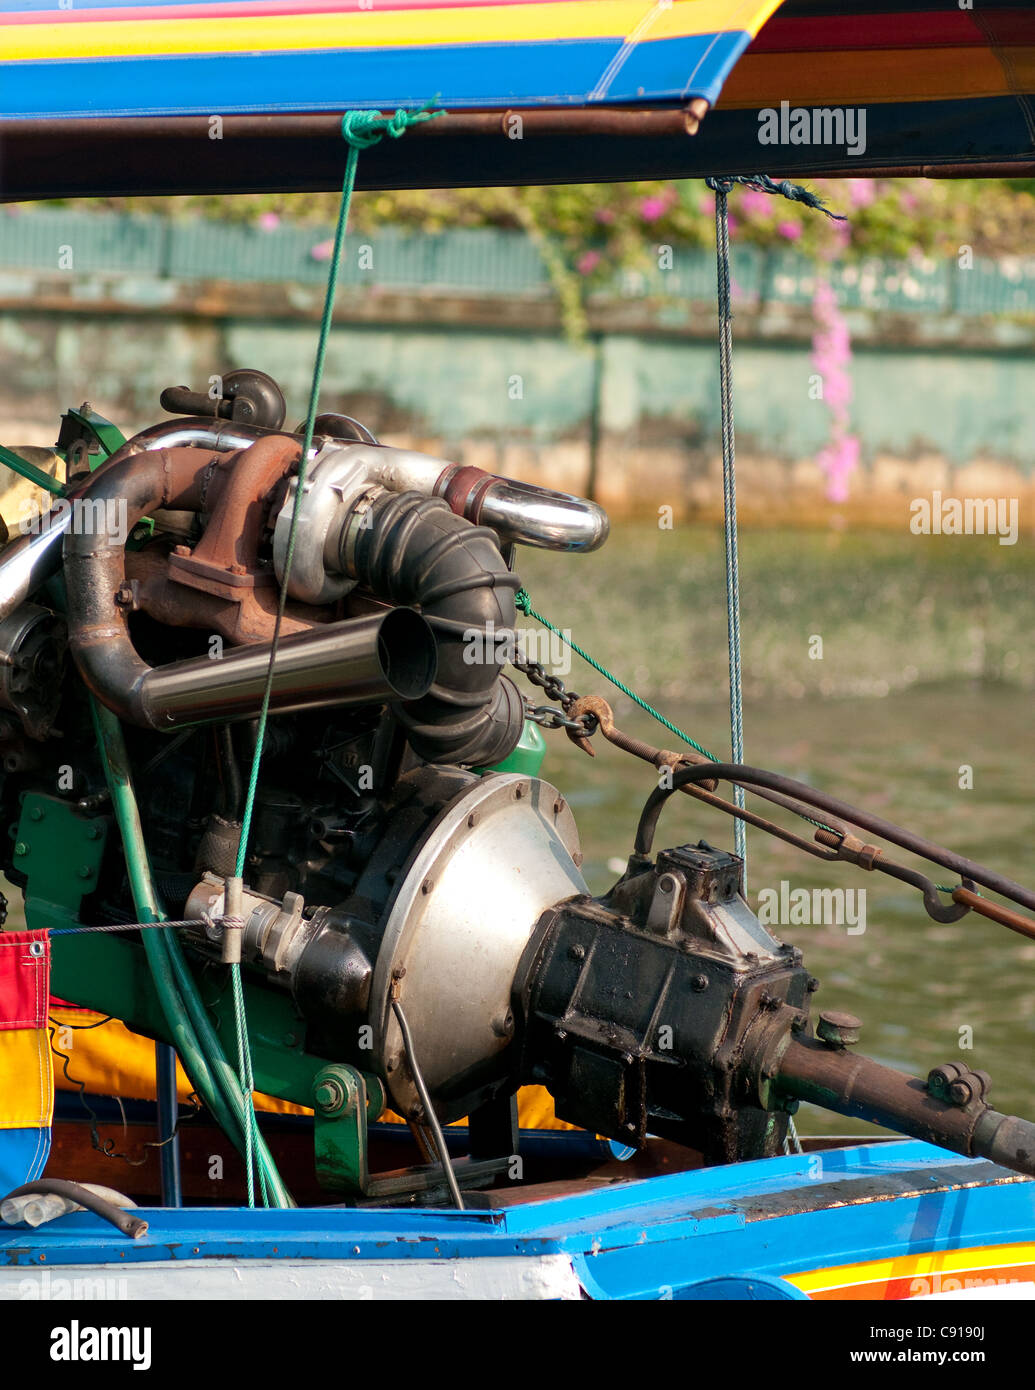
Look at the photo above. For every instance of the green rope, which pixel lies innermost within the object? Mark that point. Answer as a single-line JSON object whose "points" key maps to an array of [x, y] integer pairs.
{"points": [[360, 130], [524, 602]]}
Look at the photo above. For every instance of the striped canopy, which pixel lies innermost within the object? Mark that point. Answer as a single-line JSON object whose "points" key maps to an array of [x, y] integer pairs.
{"points": [[120, 95], [136, 57]]}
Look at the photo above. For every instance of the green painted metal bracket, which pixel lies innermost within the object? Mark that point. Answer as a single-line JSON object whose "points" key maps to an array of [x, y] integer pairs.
{"points": [[108, 437], [344, 1101], [60, 852]]}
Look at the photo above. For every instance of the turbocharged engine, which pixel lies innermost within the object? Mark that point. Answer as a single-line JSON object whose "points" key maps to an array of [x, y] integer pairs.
{"points": [[412, 899]]}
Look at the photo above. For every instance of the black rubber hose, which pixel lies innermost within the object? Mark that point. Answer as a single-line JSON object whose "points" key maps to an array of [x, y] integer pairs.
{"points": [[413, 550], [755, 776], [125, 1221]]}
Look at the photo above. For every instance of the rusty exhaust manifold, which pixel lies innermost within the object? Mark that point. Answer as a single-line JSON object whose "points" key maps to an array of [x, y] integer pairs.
{"points": [[383, 657]]}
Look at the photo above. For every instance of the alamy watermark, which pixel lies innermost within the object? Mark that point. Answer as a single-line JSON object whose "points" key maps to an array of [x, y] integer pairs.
{"points": [[492, 645], [46, 1287], [813, 907], [818, 125], [964, 516], [89, 516]]}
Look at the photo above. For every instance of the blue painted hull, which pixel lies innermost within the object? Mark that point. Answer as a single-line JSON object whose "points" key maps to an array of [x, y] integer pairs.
{"points": [[887, 1220]]}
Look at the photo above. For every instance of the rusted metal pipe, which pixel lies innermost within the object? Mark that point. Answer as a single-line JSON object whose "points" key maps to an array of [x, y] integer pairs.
{"points": [[535, 121], [837, 1079]]}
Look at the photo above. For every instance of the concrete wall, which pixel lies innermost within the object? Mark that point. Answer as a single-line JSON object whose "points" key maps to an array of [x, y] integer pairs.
{"points": [[490, 379]]}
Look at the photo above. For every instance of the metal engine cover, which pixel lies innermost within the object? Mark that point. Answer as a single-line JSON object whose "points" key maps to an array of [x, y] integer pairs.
{"points": [[463, 912]]}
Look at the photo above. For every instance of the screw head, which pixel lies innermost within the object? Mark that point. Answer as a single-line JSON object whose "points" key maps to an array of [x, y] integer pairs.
{"points": [[699, 983]]}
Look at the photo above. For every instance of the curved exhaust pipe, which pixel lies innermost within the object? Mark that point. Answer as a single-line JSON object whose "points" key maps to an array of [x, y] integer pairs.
{"points": [[521, 513]]}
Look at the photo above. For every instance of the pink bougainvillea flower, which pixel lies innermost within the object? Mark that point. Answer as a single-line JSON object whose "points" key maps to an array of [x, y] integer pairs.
{"points": [[652, 208], [605, 215], [790, 230], [755, 202], [588, 262], [832, 357], [322, 250], [268, 221], [862, 192]]}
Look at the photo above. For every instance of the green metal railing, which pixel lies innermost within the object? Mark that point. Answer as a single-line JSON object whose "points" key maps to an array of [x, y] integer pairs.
{"points": [[481, 261]]}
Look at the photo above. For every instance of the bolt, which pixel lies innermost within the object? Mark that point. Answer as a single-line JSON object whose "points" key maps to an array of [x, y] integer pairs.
{"points": [[838, 1029], [699, 983], [326, 1095], [666, 883], [36, 813], [21, 848], [85, 871], [472, 820], [94, 832], [427, 886], [124, 596], [519, 791], [959, 1093], [812, 984], [558, 806], [577, 952]]}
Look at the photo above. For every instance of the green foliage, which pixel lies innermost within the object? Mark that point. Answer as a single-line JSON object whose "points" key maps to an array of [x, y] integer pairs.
{"points": [[585, 232]]}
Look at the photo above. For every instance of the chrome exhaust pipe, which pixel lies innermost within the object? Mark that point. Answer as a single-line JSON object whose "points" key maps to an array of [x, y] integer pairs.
{"points": [[30, 560], [378, 659], [522, 513]]}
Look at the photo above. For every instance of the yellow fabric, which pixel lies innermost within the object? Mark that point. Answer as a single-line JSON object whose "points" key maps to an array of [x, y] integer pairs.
{"points": [[111, 1060], [26, 1079]]}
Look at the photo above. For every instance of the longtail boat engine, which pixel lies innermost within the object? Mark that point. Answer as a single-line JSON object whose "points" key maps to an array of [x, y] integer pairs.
{"points": [[410, 919]]}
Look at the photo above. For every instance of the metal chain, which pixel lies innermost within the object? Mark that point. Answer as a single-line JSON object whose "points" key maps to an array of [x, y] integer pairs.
{"points": [[545, 715]]}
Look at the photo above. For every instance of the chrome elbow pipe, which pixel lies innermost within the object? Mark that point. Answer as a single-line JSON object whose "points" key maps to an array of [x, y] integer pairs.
{"points": [[521, 513]]}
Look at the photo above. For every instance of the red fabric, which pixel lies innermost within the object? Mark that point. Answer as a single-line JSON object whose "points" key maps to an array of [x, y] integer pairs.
{"points": [[24, 979]]}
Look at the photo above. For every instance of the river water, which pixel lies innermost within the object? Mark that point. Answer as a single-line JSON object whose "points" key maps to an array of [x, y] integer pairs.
{"points": [[925, 668]]}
